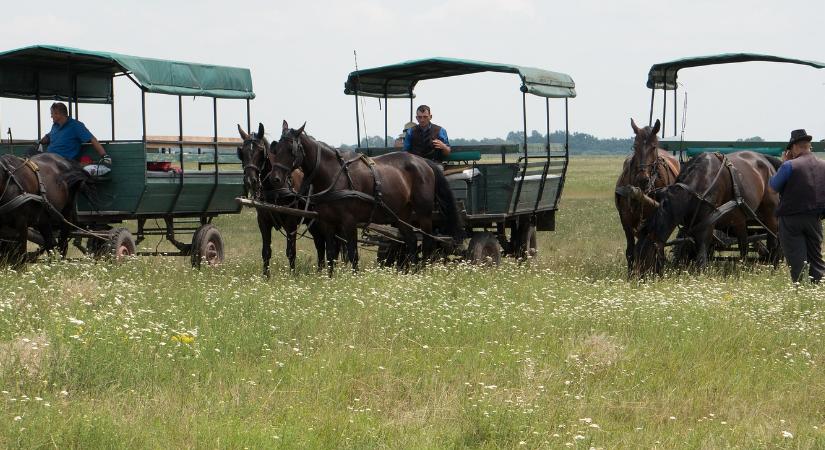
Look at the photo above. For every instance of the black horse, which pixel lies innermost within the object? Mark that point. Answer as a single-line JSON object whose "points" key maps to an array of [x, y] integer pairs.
{"points": [[252, 154], [714, 191], [39, 192], [399, 189]]}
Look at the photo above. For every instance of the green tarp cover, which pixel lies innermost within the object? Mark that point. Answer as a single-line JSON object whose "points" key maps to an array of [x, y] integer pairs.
{"points": [[50, 71], [663, 75], [399, 80]]}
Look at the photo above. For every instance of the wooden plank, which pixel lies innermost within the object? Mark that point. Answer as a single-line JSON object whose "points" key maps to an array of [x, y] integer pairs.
{"points": [[275, 208]]}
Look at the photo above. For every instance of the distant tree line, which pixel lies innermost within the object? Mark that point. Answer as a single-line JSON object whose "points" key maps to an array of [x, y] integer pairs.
{"points": [[580, 143]]}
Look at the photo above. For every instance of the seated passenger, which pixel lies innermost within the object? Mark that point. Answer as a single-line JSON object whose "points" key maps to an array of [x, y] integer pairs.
{"points": [[427, 139], [399, 141], [67, 135]]}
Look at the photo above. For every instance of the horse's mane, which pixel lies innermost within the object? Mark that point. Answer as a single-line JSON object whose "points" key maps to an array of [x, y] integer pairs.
{"points": [[696, 164]]}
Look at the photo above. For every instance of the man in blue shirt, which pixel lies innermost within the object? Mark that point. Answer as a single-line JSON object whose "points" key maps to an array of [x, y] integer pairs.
{"points": [[67, 135], [427, 139], [800, 182]]}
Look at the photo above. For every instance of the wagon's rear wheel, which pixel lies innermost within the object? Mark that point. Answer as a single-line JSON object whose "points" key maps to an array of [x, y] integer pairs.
{"points": [[207, 246], [484, 249], [524, 241], [119, 245]]}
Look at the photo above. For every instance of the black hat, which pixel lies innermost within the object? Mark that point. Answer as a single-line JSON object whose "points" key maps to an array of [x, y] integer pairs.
{"points": [[797, 136]]}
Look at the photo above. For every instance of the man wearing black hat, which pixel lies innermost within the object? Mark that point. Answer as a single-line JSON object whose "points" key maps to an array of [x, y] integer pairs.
{"points": [[800, 182]]}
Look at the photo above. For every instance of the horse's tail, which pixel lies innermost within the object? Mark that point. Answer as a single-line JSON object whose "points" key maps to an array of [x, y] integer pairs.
{"points": [[80, 181], [446, 199]]}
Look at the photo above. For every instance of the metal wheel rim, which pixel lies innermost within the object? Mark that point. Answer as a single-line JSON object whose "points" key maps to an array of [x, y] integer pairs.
{"points": [[210, 253]]}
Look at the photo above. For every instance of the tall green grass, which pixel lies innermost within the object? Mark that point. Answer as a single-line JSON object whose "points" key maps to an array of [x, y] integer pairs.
{"points": [[556, 352]]}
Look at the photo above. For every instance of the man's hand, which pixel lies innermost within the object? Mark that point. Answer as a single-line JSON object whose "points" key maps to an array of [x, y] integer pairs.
{"points": [[105, 160], [444, 148]]}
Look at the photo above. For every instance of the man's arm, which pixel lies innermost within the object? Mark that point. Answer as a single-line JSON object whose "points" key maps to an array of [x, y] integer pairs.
{"points": [[45, 139], [408, 140], [778, 181], [442, 142], [98, 148]]}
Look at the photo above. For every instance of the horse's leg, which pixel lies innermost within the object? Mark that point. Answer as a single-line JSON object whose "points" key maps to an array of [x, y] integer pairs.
{"points": [[291, 231], [320, 243], [19, 253], [629, 248], [332, 252], [702, 250], [411, 243], [352, 246], [265, 226], [428, 245]]}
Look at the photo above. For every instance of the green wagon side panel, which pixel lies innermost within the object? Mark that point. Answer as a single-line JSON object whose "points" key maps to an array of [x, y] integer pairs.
{"points": [[230, 186], [494, 188], [121, 193]]}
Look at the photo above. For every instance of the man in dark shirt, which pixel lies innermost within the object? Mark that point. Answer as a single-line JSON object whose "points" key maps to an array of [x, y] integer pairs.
{"points": [[427, 139], [800, 181], [67, 135]]}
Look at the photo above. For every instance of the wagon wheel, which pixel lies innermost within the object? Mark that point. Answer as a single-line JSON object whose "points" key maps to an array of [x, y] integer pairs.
{"points": [[207, 246], [119, 245], [523, 242], [484, 249]]}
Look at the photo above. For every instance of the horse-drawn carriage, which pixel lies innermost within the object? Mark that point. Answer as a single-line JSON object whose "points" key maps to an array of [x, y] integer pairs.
{"points": [[505, 192], [722, 196], [182, 182]]}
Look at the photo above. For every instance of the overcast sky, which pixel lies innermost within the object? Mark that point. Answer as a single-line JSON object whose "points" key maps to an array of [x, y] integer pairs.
{"points": [[301, 52]]}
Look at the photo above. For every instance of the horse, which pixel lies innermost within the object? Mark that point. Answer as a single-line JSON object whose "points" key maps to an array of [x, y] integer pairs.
{"points": [[398, 189], [649, 168], [714, 191], [39, 192], [252, 154]]}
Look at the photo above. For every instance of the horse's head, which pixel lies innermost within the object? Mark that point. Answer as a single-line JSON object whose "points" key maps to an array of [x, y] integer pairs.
{"points": [[655, 231], [252, 153], [287, 154], [645, 155]]}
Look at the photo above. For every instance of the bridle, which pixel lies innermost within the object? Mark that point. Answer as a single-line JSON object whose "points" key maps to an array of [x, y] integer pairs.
{"points": [[650, 168], [254, 142]]}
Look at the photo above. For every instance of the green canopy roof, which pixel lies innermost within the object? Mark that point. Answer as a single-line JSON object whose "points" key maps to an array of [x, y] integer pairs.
{"points": [[399, 80], [51, 71], [663, 75]]}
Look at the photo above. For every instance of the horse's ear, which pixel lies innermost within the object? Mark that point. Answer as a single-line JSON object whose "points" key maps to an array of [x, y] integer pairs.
{"points": [[242, 132], [260, 130], [656, 127], [633, 125], [300, 130], [285, 126]]}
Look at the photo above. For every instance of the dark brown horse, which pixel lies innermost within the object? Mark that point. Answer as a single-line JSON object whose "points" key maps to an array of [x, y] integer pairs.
{"points": [[252, 154], [714, 191], [24, 184], [649, 168], [399, 189]]}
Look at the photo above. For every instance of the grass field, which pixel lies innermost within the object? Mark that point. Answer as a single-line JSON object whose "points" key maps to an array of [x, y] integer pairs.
{"points": [[558, 352]]}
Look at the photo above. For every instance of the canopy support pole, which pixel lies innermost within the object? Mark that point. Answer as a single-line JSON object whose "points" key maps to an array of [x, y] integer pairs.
{"points": [[411, 107], [524, 119], [357, 122], [652, 98], [248, 119], [37, 97], [386, 108], [143, 113], [112, 105], [74, 94], [675, 111], [664, 110]]}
